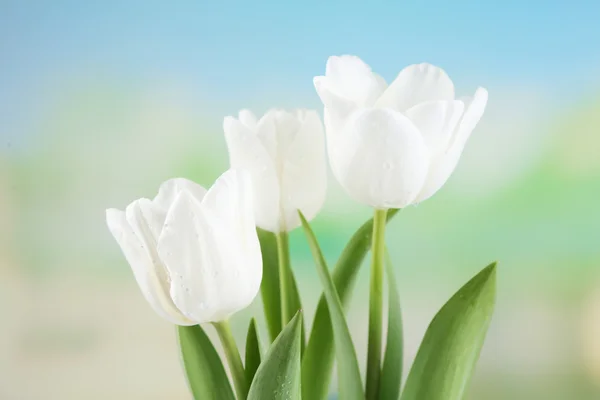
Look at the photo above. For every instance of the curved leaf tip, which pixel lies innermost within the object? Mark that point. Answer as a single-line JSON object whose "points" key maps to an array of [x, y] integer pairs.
{"points": [[450, 349], [278, 376]]}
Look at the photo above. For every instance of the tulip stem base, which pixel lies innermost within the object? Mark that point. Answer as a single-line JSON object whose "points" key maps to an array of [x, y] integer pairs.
{"points": [[283, 254], [376, 305], [233, 359]]}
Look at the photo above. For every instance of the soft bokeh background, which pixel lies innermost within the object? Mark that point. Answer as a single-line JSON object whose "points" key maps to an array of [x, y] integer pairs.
{"points": [[102, 101]]}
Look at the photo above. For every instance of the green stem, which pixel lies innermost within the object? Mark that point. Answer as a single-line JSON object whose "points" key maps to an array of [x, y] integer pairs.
{"points": [[233, 358], [376, 305], [283, 253]]}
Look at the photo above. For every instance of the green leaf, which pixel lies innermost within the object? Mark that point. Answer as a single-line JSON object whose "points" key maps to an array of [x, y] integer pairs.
{"points": [[253, 354], [350, 383], [278, 377], [206, 375], [269, 288], [317, 364], [391, 372], [297, 305], [448, 354]]}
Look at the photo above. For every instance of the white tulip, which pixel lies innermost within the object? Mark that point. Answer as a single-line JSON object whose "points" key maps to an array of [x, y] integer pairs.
{"points": [[392, 146], [285, 154], [194, 253]]}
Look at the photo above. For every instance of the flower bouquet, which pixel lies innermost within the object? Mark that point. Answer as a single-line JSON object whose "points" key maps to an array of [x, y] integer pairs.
{"points": [[199, 255]]}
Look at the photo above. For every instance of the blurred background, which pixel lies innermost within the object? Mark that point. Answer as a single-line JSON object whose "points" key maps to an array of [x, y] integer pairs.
{"points": [[102, 101]]}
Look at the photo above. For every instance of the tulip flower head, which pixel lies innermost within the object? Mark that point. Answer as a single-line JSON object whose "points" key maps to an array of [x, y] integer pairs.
{"points": [[392, 146], [194, 253], [285, 155]]}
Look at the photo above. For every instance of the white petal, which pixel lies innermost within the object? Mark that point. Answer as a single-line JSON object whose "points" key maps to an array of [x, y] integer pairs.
{"points": [[335, 114], [295, 143], [383, 158], [229, 203], [187, 248], [148, 273], [212, 274], [416, 84], [333, 127], [442, 167], [473, 113], [229, 206], [230, 199], [247, 152], [350, 78], [440, 170], [276, 131], [454, 113], [436, 121], [381, 83], [247, 118], [147, 220], [169, 190], [304, 174], [339, 107]]}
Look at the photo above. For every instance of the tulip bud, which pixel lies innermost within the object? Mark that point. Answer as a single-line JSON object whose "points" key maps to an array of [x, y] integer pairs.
{"points": [[194, 253], [285, 154], [392, 146]]}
